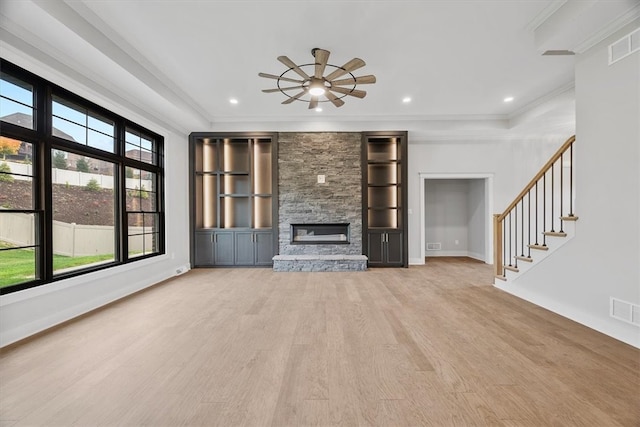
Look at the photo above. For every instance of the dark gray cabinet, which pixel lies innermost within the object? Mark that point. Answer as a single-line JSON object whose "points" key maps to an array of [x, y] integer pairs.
{"points": [[214, 248], [385, 248], [253, 248], [203, 248], [233, 198], [384, 195], [223, 243]]}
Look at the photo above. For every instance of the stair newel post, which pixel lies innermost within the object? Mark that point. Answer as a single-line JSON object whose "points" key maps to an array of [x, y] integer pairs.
{"points": [[498, 244]]}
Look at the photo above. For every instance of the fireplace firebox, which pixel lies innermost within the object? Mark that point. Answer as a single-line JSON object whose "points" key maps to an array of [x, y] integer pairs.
{"points": [[320, 234]]}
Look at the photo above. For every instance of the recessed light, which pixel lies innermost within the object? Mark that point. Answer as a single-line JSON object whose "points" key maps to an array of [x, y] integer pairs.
{"points": [[406, 99], [318, 109], [508, 99], [233, 101]]}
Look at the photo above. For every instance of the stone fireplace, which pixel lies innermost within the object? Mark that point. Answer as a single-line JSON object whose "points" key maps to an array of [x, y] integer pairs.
{"points": [[320, 182]]}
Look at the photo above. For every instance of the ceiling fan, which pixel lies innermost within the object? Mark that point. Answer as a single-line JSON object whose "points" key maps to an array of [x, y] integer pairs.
{"points": [[312, 84]]}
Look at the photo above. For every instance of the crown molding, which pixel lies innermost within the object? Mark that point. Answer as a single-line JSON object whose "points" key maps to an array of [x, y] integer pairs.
{"points": [[609, 29], [518, 115], [544, 14]]}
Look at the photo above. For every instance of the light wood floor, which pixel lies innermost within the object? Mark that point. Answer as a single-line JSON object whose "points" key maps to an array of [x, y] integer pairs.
{"points": [[432, 345]]}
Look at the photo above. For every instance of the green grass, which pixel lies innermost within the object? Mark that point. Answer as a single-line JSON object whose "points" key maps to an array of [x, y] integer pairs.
{"points": [[18, 266]]}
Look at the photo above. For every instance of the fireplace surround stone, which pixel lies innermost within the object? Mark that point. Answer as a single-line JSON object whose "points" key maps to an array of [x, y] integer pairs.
{"points": [[302, 157]]}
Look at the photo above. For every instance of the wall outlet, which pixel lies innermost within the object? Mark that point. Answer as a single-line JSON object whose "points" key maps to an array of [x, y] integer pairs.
{"points": [[321, 179]]}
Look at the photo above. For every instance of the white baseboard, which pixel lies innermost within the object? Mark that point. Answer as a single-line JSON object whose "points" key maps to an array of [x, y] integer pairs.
{"points": [[446, 253]]}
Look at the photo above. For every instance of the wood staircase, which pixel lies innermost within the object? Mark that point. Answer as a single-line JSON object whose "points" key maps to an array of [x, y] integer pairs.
{"points": [[539, 220]]}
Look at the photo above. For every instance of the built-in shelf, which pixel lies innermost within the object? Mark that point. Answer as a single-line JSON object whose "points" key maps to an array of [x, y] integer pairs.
{"points": [[232, 192], [384, 198]]}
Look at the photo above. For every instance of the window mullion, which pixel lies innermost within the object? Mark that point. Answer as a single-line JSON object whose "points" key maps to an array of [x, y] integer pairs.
{"points": [[121, 216], [44, 179]]}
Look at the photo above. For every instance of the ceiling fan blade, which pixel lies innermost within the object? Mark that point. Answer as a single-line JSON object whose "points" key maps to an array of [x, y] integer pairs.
{"points": [[289, 63], [350, 66], [313, 103], [294, 97], [334, 99], [353, 92], [278, 89], [322, 56], [284, 79], [362, 80]]}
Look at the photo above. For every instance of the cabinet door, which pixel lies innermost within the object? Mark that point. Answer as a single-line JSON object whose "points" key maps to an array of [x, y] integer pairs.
{"points": [[394, 249], [376, 248], [264, 248], [224, 252], [244, 248], [203, 249]]}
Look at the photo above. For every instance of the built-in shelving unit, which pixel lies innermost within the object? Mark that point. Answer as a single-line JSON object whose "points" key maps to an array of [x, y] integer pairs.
{"points": [[384, 195], [233, 198]]}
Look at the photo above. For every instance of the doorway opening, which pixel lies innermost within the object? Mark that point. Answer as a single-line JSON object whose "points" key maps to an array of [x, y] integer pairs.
{"points": [[456, 216]]}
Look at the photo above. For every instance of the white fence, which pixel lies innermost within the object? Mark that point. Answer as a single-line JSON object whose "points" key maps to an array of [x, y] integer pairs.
{"points": [[70, 239], [75, 178]]}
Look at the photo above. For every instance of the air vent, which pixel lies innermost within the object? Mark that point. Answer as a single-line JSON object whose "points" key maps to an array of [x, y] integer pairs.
{"points": [[624, 47], [625, 311], [434, 246]]}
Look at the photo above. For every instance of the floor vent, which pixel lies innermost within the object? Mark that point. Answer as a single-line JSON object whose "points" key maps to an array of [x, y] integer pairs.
{"points": [[625, 311], [624, 47], [434, 246]]}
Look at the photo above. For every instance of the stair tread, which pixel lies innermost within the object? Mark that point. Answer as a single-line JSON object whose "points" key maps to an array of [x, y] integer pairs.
{"points": [[501, 277], [510, 268], [539, 247], [569, 218], [524, 258], [555, 233]]}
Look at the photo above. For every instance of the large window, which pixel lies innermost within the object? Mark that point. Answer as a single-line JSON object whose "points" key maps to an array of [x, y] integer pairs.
{"points": [[80, 187]]}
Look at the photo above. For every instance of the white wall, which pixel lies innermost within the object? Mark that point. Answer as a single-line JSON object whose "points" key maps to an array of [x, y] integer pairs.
{"points": [[476, 215], [29, 311], [603, 259], [446, 216]]}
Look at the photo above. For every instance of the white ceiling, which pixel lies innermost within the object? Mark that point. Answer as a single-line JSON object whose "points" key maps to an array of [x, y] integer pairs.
{"points": [[180, 61]]}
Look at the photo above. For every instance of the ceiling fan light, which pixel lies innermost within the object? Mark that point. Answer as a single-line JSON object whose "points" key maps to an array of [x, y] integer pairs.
{"points": [[316, 87]]}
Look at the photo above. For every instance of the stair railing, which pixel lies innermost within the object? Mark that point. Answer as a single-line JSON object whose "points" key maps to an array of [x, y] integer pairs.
{"points": [[537, 212]]}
